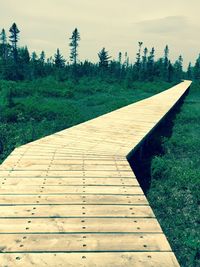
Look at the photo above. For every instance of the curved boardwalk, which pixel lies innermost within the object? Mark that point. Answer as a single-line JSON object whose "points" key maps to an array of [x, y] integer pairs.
{"points": [[71, 198]]}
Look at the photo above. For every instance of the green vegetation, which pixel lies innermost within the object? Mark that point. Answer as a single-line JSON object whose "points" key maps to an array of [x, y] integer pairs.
{"points": [[33, 109], [174, 193]]}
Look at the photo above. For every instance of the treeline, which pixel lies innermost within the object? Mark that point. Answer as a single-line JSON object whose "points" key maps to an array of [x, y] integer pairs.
{"points": [[16, 63]]}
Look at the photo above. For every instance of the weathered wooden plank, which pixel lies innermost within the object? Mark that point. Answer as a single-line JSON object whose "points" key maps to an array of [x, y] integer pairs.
{"points": [[78, 225], [59, 189], [69, 181], [108, 259], [83, 242], [73, 199], [30, 163], [68, 167], [65, 173], [76, 211]]}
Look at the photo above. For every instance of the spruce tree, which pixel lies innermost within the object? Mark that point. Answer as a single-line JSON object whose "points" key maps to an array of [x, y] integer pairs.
{"points": [[144, 58], [120, 58], [3, 42], [150, 64], [126, 60], [14, 38], [189, 71], [137, 65], [178, 68], [118, 71], [42, 67], [144, 64], [59, 61], [166, 55], [34, 57], [42, 57], [138, 56], [165, 63], [24, 55], [103, 58], [3, 37], [74, 46]]}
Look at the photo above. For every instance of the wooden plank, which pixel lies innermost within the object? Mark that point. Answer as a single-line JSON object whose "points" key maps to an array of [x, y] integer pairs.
{"points": [[35, 161], [73, 199], [67, 167], [83, 242], [76, 211], [69, 181], [66, 156], [64, 173], [108, 259], [59, 189], [78, 225]]}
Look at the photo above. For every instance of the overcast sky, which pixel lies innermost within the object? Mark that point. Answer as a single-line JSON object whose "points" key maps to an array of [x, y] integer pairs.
{"points": [[117, 25]]}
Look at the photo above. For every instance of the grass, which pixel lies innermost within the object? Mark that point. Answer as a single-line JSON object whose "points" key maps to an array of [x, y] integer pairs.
{"points": [[33, 109], [174, 193]]}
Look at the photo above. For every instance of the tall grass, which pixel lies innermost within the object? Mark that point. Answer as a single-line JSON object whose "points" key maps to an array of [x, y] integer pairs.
{"points": [[174, 193], [33, 109]]}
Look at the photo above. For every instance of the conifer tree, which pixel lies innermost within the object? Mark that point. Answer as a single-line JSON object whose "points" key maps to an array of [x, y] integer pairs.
{"points": [[137, 65], [165, 63], [144, 61], [120, 58], [59, 61], [103, 58], [34, 57], [166, 55], [3, 42], [42, 69], [75, 38], [144, 58], [126, 61], [150, 64], [3, 37], [24, 55], [14, 38], [138, 56], [178, 68], [118, 68], [189, 71], [42, 57]]}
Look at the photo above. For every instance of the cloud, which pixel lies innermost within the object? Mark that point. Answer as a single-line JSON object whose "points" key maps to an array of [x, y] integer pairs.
{"points": [[114, 24], [166, 25]]}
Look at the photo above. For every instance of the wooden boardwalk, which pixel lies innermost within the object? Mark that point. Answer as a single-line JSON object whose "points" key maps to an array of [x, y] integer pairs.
{"points": [[71, 198]]}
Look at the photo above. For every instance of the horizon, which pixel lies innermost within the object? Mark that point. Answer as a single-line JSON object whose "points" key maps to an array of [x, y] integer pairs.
{"points": [[119, 33]]}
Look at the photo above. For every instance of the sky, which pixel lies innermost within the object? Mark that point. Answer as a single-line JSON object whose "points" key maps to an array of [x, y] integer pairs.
{"points": [[117, 25]]}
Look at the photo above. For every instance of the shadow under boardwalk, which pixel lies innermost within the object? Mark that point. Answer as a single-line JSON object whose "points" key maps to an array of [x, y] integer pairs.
{"points": [[72, 199], [141, 157]]}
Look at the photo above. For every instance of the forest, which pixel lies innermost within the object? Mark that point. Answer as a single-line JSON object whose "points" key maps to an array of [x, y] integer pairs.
{"points": [[17, 64], [41, 95]]}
